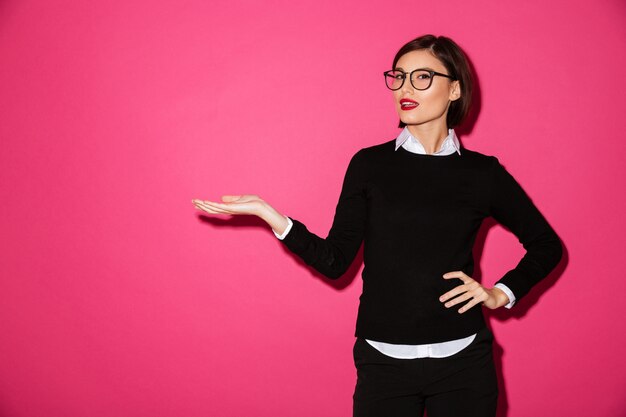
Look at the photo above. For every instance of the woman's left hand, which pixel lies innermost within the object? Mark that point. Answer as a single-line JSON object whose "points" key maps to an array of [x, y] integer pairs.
{"points": [[473, 291]]}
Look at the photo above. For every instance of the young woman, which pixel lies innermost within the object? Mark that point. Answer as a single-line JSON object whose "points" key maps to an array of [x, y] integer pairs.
{"points": [[417, 202]]}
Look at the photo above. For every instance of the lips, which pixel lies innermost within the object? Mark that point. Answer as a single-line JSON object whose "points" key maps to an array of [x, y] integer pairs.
{"points": [[408, 104]]}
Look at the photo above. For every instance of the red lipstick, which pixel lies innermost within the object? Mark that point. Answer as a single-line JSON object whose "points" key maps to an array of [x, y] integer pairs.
{"points": [[408, 104]]}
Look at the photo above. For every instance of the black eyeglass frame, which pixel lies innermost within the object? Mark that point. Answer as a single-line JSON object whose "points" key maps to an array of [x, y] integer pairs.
{"points": [[410, 74]]}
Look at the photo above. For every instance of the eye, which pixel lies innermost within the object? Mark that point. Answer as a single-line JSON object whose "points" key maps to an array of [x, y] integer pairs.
{"points": [[397, 75]]}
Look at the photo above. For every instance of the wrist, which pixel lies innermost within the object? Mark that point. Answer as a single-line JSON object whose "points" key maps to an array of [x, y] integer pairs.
{"points": [[277, 221], [501, 298]]}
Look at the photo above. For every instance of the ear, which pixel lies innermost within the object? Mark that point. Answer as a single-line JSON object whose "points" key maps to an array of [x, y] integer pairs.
{"points": [[455, 90]]}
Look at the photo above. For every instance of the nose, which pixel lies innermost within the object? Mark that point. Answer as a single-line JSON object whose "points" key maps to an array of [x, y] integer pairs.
{"points": [[407, 87]]}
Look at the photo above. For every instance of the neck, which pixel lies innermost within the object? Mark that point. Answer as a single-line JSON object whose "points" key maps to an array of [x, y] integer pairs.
{"points": [[430, 136]]}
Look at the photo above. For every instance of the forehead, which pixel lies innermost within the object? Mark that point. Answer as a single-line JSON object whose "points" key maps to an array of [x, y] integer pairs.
{"points": [[422, 58]]}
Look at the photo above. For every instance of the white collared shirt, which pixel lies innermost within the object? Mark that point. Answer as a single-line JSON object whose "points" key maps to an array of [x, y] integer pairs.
{"points": [[433, 350], [412, 144]]}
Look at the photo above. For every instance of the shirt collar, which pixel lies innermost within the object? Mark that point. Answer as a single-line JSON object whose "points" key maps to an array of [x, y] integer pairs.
{"points": [[410, 143]]}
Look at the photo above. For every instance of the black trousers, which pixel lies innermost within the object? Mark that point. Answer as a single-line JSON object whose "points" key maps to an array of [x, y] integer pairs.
{"points": [[462, 385]]}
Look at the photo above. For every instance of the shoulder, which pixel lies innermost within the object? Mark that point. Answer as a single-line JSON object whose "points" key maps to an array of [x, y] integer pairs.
{"points": [[372, 153], [378, 149], [479, 159]]}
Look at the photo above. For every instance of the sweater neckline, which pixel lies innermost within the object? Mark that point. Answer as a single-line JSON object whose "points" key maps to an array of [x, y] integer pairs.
{"points": [[427, 156]]}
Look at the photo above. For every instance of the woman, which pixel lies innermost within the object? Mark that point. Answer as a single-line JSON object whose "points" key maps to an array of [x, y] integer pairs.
{"points": [[417, 202]]}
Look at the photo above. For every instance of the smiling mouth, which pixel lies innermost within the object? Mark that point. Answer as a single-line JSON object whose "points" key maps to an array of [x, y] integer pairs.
{"points": [[408, 104]]}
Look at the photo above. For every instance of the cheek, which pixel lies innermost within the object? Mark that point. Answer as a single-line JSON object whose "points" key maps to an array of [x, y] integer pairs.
{"points": [[435, 101], [433, 95]]}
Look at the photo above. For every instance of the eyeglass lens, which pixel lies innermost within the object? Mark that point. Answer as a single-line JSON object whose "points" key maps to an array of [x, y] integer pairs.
{"points": [[420, 79]]}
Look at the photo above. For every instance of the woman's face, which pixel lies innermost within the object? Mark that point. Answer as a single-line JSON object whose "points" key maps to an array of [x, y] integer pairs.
{"points": [[432, 103]]}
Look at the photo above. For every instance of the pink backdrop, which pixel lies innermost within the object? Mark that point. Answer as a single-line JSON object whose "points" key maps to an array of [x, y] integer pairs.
{"points": [[118, 298]]}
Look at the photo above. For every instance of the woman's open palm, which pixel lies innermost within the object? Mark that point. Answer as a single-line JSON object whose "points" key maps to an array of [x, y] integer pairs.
{"points": [[232, 204]]}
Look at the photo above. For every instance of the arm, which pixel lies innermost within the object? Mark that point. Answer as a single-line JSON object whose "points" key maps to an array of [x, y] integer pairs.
{"points": [[512, 207], [333, 255]]}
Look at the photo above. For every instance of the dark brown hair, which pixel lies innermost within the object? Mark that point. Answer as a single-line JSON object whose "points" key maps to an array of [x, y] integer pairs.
{"points": [[455, 61]]}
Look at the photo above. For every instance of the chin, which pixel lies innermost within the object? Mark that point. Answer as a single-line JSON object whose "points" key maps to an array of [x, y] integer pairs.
{"points": [[411, 121]]}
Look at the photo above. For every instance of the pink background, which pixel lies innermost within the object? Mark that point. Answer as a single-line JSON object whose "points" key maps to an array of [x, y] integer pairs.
{"points": [[118, 298]]}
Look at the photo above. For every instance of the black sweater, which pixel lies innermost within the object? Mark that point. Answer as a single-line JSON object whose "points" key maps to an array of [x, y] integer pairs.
{"points": [[418, 216]]}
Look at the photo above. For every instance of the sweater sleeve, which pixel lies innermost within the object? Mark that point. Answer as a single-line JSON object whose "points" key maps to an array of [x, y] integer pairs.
{"points": [[333, 255], [512, 207]]}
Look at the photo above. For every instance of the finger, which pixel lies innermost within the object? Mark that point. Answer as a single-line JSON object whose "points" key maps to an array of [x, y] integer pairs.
{"points": [[197, 201], [458, 274], [231, 197], [479, 297], [470, 290], [458, 290], [220, 208], [453, 292], [201, 203], [469, 305], [205, 209], [459, 299], [209, 208], [246, 198]]}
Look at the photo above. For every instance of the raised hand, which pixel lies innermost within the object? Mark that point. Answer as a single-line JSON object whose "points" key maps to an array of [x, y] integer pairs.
{"points": [[245, 204], [233, 204]]}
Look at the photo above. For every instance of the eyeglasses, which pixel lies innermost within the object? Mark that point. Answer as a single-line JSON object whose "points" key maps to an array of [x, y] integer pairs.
{"points": [[421, 79]]}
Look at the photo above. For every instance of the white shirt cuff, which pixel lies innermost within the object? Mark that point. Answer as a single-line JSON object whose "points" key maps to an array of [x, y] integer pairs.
{"points": [[508, 293], [290, 223]]}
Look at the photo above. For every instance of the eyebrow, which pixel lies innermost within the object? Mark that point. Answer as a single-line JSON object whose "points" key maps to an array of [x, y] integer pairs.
{"points": [[426, 68]]}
